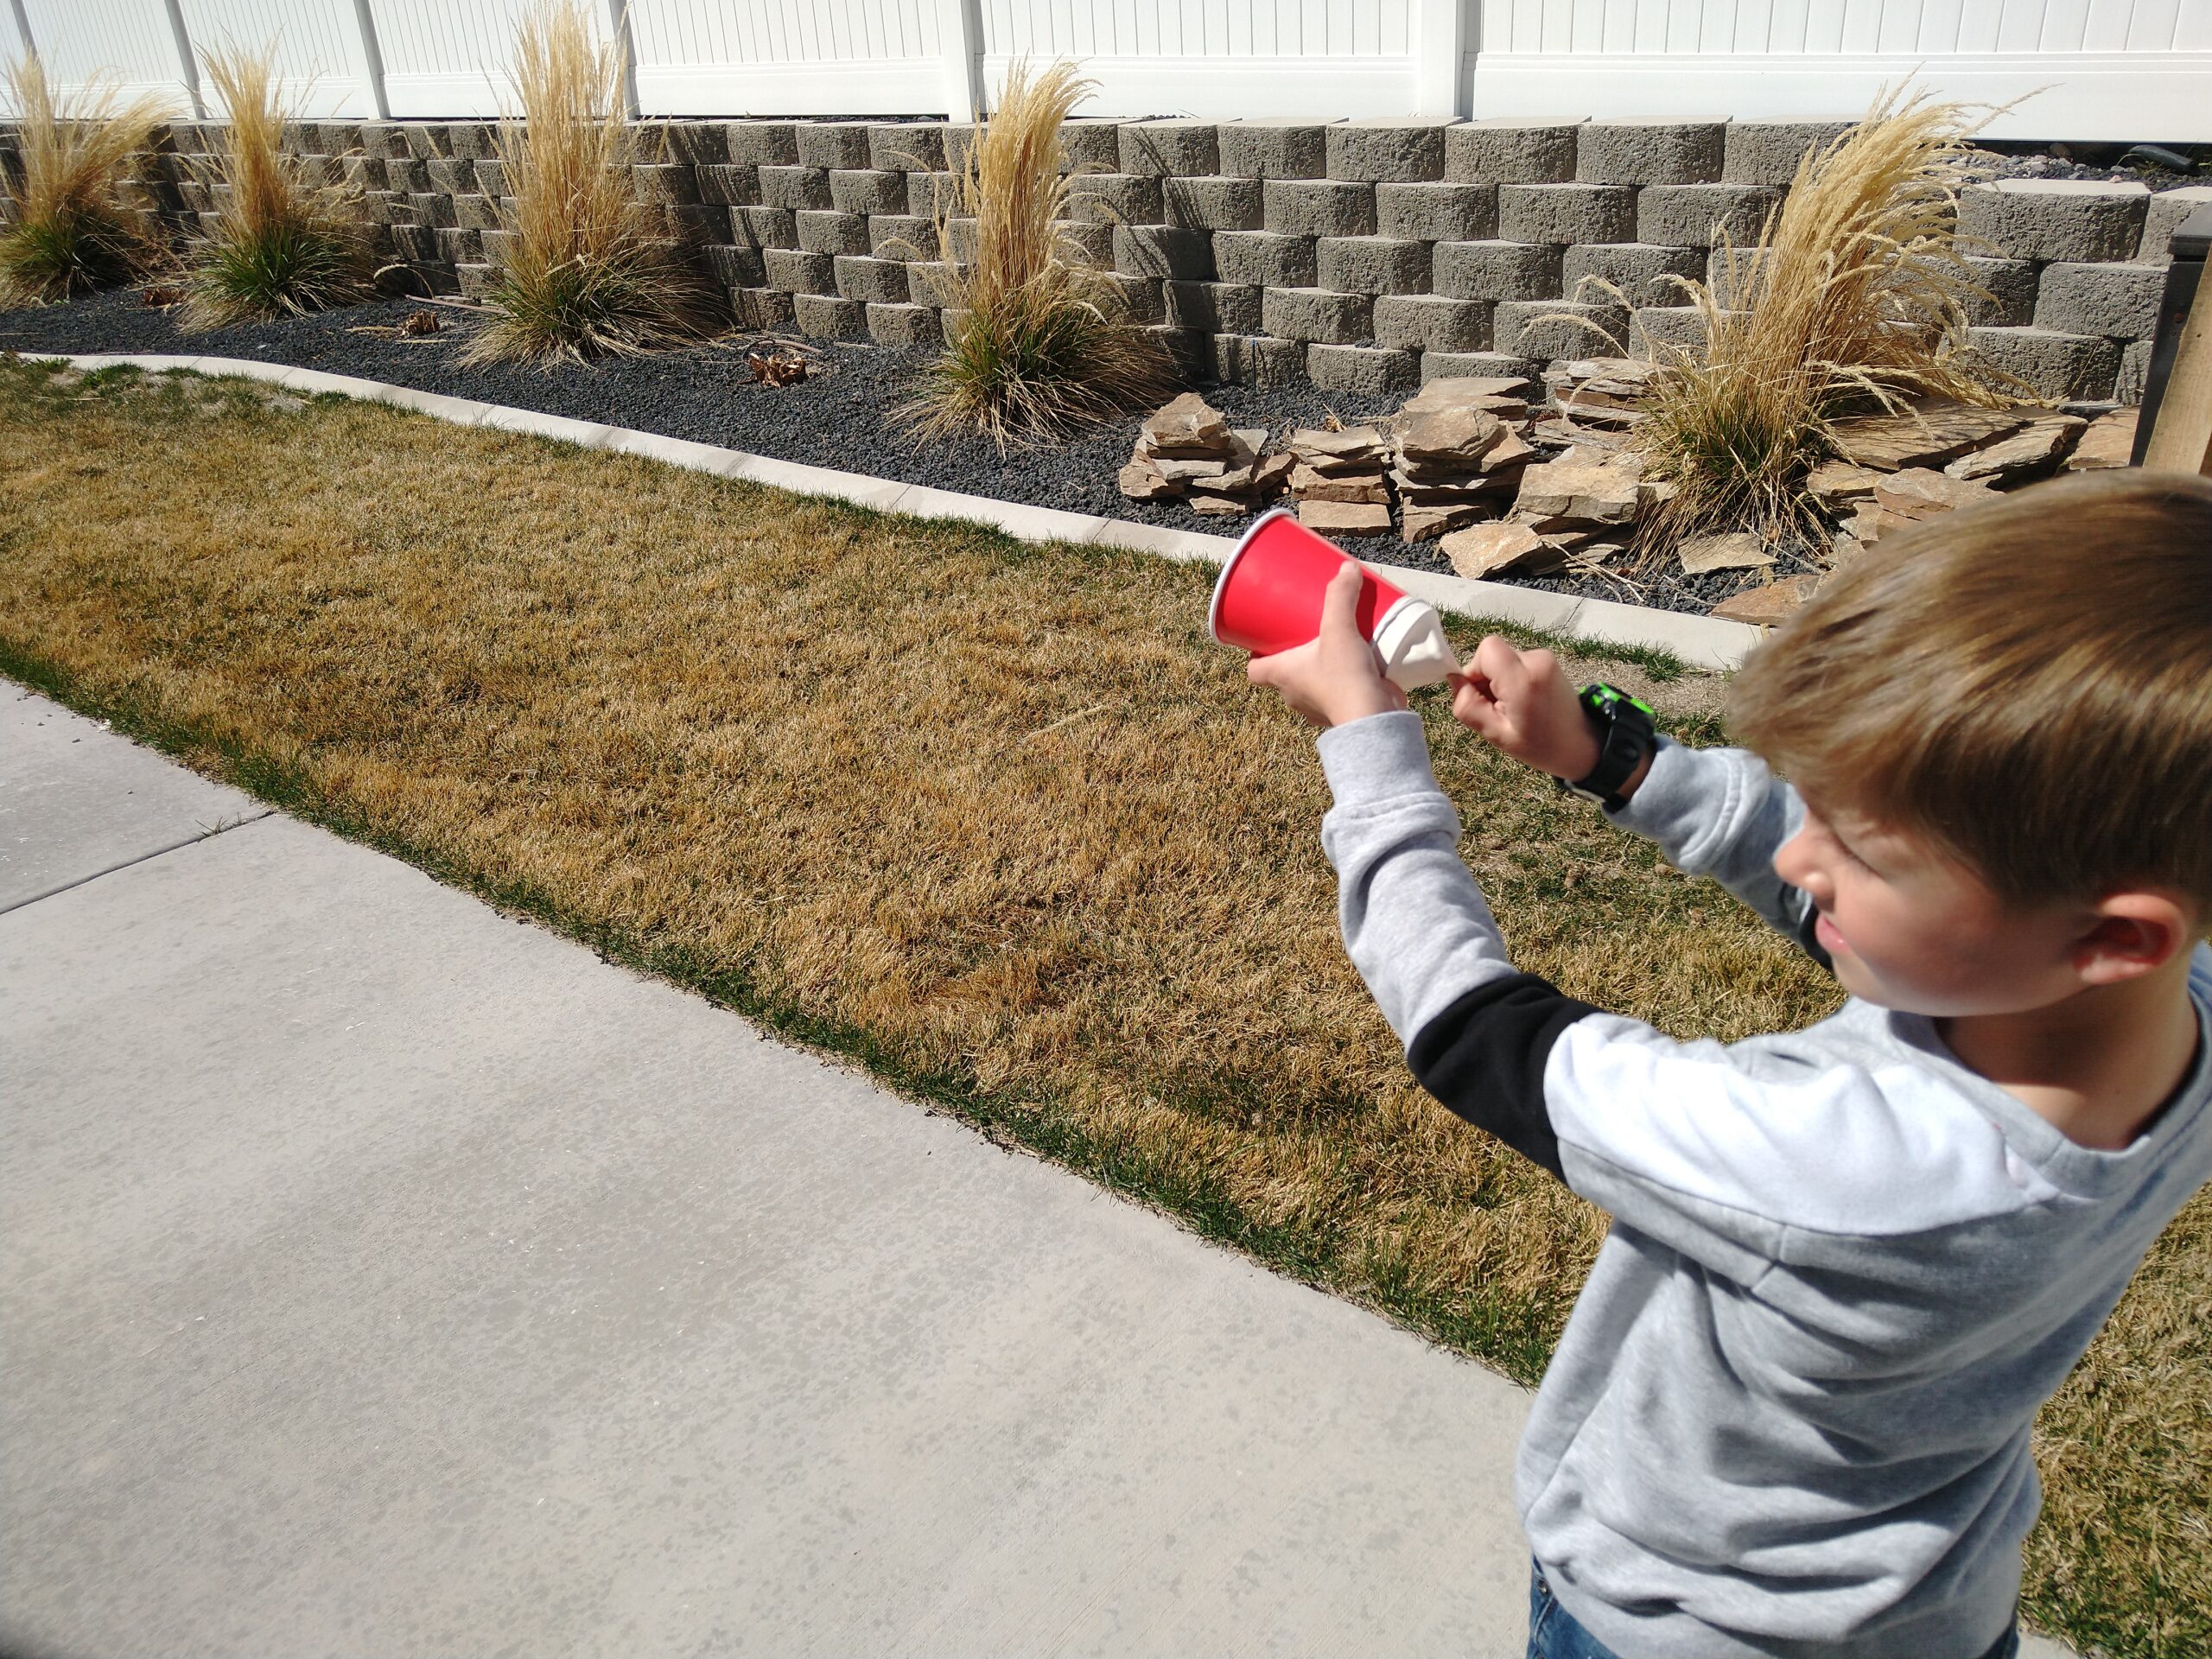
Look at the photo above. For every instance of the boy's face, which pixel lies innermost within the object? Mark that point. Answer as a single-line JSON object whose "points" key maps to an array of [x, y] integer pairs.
{"points": [[1911, 928]]}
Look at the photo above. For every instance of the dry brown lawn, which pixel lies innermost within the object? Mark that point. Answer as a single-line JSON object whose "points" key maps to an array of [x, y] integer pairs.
{"points": [[997, 821]]}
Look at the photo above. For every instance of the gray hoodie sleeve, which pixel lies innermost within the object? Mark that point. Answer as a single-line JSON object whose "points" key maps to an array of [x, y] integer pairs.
{"points": [[1721, 813]]}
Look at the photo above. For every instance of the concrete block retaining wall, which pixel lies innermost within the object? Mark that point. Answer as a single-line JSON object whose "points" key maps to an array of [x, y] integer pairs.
{"points": [[1359, 255]]}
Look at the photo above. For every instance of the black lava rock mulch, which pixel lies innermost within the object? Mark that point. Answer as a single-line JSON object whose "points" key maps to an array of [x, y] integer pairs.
{"points": [[846, 414]]}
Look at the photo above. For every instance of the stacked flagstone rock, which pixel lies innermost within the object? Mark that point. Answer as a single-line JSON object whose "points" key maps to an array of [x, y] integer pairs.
{"points": [[1187, 451], [1580, 508], [1339, 482], [1603, 393], [1459, 453]]}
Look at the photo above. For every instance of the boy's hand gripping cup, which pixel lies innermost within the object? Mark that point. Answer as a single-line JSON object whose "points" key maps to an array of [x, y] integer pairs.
{"points": [[1268, 599]]}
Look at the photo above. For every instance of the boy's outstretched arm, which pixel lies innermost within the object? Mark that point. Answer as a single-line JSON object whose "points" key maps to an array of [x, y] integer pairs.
{"points": [[1715, 812]]}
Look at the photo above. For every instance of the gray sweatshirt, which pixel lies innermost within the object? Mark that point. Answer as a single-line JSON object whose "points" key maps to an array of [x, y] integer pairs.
{"points": [[1789, 1414]]}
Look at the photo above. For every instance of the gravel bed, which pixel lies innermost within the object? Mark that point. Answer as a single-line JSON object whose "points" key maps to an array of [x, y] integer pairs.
{"points": [[844, 414], [2092, 163]]}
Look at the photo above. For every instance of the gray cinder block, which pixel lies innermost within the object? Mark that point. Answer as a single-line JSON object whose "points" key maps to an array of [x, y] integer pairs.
{"points": [[696, 221], [902, 236], [826, 144], [474, 141], [2163, 215], [1274, 150], [1091, 146], [1767, 152], [1660, 331], [2011, 299], [1479, 366], [476, 213], [825, 317], [2118, 301], [491, 178], [1213, 203], [432, 208], [1116, 199], [903, 325], [764, 227], [1159, 251], [1369, 369], [1083, 244], [407, 176], [1317, 314], [1564, 214], [1428, 323], [906, 147], [2047, 220], [794, 187], [1372, 265], [762, 308], [2134, 372], [880, 282], [1496, 270], [729, 183], [1509, 152], [866, 191], [821, 232], [735, 267], [662, 182], [927, 194], [1696, 215], [1437, 212], [799, 273], [1140, 297], [1214, 308], [1168, 149], [1263, 259], [454, 178], [703, 143], [1369, 152], [457, 246], [1257, 360], [1639, 270], [1317, 207], [2052, 364], [475, 277], [761, 144], [1553, 328], [426, 139], [1649, 152]]}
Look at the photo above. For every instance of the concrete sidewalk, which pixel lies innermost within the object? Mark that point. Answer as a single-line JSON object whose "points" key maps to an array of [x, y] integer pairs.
{"points": [[385, 1277], [381, 1276]]}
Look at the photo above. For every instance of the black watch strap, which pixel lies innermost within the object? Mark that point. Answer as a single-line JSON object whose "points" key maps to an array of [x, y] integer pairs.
{"points": [[1627, 731]]}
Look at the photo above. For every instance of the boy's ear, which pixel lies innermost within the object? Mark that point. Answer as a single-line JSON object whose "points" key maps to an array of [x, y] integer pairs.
{"points": [[2133, 933]]}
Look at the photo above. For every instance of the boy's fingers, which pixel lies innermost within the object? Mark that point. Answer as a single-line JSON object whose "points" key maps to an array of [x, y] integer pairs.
{"points": [[1340, 600]]}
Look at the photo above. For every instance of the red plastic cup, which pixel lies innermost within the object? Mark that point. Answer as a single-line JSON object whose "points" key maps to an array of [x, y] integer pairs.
{"points": [[1269, 598]]}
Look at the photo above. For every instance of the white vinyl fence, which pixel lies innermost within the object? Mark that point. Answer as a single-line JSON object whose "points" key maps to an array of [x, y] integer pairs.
{"points": [[2084, 69]]}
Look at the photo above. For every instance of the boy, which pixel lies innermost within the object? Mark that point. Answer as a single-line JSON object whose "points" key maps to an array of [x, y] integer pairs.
{"points": [[1790, 1415]]}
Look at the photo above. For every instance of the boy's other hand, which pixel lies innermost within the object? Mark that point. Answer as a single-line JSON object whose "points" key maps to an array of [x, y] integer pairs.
{"points": [[1334, 678], [1522, 703]]}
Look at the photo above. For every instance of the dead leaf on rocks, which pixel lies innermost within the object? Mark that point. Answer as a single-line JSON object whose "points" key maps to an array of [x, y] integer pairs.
{"points": [[418, 323], [775, 366]]}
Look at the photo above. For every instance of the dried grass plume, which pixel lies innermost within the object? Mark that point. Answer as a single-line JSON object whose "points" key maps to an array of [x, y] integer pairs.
{"points": [[587, 269], [1039, 343], [76, 226]]}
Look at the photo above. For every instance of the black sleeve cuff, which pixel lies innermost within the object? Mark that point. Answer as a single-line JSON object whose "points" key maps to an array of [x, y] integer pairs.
{"points": [[1484, 1058]]}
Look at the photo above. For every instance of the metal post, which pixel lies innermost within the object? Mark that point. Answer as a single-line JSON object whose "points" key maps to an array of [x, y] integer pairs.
{"points": [[1440, 53], [23, 29], [2184, 278], [184, 55], [618, 14], [371, 60], [960, 43]]}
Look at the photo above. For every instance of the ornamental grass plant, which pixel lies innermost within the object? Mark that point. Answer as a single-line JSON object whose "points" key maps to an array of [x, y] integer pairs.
{"points": [[76, 227], [287, 239], [1853, 299], [588, 269], [1038, 342]]}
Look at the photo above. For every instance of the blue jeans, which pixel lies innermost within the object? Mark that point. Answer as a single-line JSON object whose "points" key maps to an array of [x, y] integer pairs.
{"points": [[1555, 1633]]}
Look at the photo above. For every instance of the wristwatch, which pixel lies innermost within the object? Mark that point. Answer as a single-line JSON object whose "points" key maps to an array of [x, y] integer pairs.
{"points": [[1626, 734]]}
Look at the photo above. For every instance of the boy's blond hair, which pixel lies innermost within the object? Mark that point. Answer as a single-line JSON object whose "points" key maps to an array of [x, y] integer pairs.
{"points": [[2029, 683]]}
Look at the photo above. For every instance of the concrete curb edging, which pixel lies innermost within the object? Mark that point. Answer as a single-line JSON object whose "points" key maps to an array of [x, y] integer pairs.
{"points": [[1702, 642]]}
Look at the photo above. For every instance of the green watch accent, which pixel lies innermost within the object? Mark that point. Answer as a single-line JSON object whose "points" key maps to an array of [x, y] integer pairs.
{"points": [[1627, 731]]}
